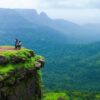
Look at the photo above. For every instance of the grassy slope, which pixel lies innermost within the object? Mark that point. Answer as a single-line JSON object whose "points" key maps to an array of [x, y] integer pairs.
{"points": [[56, 96], [71, 96]]}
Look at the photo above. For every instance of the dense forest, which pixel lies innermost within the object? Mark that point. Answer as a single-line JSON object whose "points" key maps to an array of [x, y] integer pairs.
{"points": [[74, 67]]}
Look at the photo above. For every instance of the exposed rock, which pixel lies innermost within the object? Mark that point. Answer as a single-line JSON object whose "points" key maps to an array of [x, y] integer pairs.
{"points": [[1, 84], [12, 72], [42, 62], [38, 65], [3, 60], [30, 72], [31, 54], [22, 77], [17, 59]]}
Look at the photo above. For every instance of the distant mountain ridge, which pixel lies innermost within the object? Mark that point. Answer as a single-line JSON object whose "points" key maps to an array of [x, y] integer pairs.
{"points": [[11, 19], [74, 32]]}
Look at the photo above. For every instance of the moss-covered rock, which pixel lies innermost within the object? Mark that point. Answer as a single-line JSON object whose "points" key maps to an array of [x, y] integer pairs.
{"points": [[19, 74]]}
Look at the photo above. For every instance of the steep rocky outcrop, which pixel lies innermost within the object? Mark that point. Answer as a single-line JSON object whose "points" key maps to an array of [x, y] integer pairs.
{"points": [[20, 77]]}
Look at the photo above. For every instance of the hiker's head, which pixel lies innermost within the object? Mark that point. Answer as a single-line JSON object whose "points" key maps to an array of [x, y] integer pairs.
{"points": [[16, 39]]}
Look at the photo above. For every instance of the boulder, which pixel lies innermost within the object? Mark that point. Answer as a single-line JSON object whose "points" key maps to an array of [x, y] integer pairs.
{"points": [[42, 62], [38, 65]]}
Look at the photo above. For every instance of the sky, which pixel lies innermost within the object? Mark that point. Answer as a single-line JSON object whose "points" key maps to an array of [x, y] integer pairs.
{"points": [[78, 11]]}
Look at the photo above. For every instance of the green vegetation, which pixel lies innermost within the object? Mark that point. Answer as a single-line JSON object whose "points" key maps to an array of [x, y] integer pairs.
{"points": [[69, 95], [56, 96], [73, 67], [15, 59]]}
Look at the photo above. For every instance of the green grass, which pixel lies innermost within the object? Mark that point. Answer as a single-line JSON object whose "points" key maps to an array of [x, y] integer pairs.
{"points": [[98, 97], [71, 95], [56, 96], [29, 63], [6, 69]]}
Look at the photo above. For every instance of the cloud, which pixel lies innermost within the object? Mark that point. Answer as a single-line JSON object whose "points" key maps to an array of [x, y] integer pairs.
{"points": [[50, 4], [78, 11], [19, 3], [80, 16], [94, 3], [70, 4]]}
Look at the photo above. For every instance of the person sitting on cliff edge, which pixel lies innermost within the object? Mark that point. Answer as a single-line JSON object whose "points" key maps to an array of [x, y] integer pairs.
{"points": [[18, 44]]}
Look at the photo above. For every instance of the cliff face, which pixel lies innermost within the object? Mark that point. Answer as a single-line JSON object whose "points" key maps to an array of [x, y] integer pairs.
{"points": [[20, 77]]}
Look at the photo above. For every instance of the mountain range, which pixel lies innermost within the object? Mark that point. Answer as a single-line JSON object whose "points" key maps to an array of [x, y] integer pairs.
{"points": [[20, 19]]}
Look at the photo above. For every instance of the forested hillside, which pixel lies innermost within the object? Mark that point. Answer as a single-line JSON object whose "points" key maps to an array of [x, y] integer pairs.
{"points": [[73, 67]]}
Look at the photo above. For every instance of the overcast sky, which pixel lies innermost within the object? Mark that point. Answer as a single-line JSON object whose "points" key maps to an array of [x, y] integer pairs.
{"points": [[78, 11]]}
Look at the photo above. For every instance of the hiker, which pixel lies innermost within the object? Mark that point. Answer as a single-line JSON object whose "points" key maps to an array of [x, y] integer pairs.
{"points": [[16, 43], [19, 45]]}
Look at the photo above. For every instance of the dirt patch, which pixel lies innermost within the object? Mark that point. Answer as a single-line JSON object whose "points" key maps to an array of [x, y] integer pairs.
{"points": [[6, 49]]}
